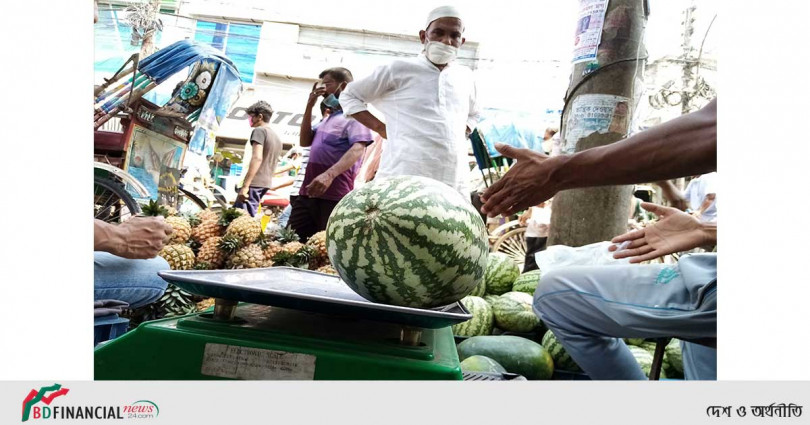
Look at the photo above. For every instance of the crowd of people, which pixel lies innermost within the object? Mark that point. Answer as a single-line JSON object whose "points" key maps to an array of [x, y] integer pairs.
{"points": [[429, 104]]}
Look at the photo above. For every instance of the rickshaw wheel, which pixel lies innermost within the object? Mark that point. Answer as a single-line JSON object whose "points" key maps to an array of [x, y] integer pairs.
{"points": [[513, 244], [112, 203]]}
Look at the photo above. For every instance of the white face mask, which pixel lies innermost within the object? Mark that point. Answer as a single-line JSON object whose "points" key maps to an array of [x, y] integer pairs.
{"points": [[440, 53]]}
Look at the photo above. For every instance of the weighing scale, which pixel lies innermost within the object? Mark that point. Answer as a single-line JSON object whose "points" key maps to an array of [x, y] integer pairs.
{"points": [[284, 323]]}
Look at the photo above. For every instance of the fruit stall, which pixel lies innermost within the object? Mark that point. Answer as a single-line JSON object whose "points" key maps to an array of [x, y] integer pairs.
{"points": [[402, 284]]}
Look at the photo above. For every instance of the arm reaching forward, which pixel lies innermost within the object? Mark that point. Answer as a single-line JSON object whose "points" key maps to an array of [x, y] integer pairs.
{"points": [[684, 146], [675, 231]]}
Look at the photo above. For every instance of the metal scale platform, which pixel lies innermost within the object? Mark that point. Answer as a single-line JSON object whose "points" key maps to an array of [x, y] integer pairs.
{"points": [[284, 323]]}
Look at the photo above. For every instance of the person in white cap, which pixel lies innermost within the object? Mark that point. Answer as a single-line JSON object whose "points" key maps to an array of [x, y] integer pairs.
{"points": [[429, 104]]}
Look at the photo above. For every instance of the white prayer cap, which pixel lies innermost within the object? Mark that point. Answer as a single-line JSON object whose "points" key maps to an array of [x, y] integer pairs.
{"points": [[443, 12]]}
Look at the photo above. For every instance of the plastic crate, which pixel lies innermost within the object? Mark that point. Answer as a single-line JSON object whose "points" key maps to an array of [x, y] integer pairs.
{"points": [[110, 327]]}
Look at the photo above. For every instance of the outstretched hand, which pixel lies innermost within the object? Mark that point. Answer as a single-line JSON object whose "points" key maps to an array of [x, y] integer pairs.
{"points": [[675, 231], [526, 184]]}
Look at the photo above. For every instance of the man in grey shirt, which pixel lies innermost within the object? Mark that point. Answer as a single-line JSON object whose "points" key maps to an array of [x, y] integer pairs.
{"points": [[266, 147]]}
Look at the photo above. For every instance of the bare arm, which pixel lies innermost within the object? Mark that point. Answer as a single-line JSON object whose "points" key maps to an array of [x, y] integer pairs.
{"points": [[306, 135], [707, 202], [321, 183], [675, 231], [255, 164], [672, 194], [371, 122], [684, 146], [136, 238]]}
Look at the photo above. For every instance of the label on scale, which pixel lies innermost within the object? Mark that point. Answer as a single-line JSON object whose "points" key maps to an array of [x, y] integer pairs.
{"points": [[236, 362]]}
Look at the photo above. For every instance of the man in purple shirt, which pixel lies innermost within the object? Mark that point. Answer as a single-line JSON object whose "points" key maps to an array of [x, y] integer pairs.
{"points": [[336, 146]]}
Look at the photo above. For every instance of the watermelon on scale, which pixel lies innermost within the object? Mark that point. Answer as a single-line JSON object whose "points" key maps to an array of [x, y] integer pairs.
{"points": [[408, 241], [481, 323], [501, 273]]}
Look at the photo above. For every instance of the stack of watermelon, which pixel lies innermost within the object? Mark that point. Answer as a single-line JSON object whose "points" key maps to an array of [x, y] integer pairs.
{"points": [[513, 354], [503, 299]]}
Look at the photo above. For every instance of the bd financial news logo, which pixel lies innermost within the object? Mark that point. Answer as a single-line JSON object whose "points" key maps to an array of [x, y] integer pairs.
{"points": [[33, 409]]}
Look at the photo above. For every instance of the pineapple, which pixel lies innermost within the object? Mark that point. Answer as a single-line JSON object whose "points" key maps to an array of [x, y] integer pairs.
{"points": [[211, 254], [269, 247], [180, 226], [207, 214], [212, 224], [246, 228], [294, 254], [203, 266], [181, 229], [205, 304], [206, 230], [292, 247], [272, 249], [229, 244], [193, 220], [179, 256], [153, 209], [286, 235], [328, 269], [175, 302], [249, 257], [318, 242]]}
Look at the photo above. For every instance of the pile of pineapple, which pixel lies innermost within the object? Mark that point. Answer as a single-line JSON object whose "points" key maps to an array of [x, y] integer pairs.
{"points": [[229, 239]]}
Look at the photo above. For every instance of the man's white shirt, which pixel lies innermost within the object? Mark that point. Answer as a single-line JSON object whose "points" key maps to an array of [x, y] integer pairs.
{"points": [[426, 114]]}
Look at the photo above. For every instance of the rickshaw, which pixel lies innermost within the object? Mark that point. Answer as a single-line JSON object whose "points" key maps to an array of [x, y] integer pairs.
{"points": [[140, 147]]}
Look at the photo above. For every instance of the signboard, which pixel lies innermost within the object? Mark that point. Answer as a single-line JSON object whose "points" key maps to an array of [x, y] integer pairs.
{"points": [[595, 113], [155, 161], [589, 29], [288, 100]]}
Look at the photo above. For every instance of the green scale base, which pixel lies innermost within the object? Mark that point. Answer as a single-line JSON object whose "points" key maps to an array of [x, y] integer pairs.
{"points": [[274, 343]]}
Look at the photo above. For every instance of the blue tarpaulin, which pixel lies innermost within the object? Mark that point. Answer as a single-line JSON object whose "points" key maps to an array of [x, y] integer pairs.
{"points": [[518, 129], [174, 58]]}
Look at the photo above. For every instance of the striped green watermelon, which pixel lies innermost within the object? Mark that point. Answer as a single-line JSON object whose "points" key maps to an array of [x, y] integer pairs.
{"points": [[481, 323], [644, 359], [491, 298], [408, 241], [562, 360], [481, 364], [480, 290], [649, 346], [634, 341], [515, 354], [674, 358], [501, 273], [527, 282], [513, 312]]}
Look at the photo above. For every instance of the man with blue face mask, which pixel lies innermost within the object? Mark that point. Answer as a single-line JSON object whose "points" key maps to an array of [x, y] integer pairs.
{"points": [[429, 104], [336, 146]]}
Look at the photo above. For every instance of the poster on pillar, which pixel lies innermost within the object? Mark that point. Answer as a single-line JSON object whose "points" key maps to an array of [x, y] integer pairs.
{"points": [[288, 104], [595, 113], [589, 29]]}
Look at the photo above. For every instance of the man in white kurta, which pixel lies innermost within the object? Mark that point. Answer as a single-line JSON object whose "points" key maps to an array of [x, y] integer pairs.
{"points": [[429, 104]]}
